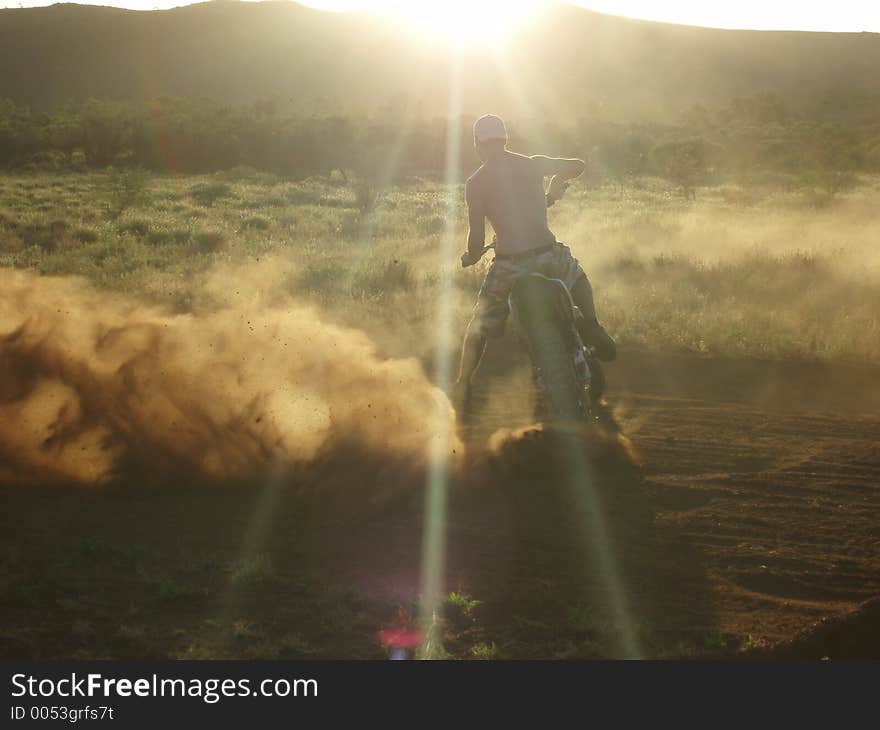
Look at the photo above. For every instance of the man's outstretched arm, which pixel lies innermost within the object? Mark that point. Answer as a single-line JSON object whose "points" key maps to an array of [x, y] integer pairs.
{"points": [[562, 169]]}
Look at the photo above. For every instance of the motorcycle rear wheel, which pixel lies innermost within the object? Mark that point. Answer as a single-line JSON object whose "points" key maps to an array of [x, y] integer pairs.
{"points": [[561, 397]]}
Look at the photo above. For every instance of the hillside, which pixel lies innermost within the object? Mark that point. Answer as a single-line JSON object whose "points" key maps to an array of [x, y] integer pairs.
{"points": [[568, 60]]}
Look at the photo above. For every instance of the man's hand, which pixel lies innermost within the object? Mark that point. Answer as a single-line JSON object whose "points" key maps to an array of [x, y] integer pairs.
{"points": [[557, 189], [469, 259]]}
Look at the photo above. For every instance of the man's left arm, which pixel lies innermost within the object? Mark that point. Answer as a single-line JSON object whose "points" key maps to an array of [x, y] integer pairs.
{"points": [[562, 169]]}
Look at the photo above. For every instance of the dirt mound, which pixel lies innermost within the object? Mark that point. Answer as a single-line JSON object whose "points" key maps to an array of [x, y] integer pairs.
{"points": [[533, 446]]}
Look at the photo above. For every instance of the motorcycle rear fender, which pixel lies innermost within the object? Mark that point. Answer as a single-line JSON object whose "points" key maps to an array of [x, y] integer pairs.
{"points": [[536, 285]]}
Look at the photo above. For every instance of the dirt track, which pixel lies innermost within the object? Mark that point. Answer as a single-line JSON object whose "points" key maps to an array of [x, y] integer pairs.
{"points": [[753, 515], [775, 480], [766, 477]]}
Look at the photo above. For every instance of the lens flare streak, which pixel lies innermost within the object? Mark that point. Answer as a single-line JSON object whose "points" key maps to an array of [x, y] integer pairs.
{"points": [[434, 534]]}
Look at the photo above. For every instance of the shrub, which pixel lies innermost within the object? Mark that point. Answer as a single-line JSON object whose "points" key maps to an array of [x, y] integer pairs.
{"points": [[9, 241], [209, 241], [687, 163], [85, 235], [432, 226], [258, 223], [137, 227], [318, 278], [106, 132], [159, 237], [127, 188], [249, 572], [387, 277], [209, 193], [47, 236], [368, 195], [241, 173]]}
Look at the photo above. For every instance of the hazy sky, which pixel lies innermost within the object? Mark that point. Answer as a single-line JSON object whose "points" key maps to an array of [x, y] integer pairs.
{"points": [[840, 15]]}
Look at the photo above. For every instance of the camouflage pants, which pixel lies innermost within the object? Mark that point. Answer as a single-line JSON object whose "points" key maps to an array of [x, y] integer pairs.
{"points": [[491, 310]]}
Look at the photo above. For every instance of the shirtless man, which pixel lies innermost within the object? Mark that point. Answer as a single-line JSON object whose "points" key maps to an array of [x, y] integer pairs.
{"points": [[508, 189]]}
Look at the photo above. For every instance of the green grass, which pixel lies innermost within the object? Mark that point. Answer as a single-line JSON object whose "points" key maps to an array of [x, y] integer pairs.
{"points": [[100, 597], [208, 193], [486, 651], [249, 572], [130, 583], [744, 269], [715, 641], [462, 602]]}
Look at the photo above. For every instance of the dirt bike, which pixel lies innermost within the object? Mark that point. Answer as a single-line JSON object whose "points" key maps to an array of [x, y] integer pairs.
{"points": [[568, 378]]}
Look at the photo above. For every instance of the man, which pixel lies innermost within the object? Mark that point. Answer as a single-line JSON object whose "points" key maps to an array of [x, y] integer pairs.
{"points": [[508, 189]]}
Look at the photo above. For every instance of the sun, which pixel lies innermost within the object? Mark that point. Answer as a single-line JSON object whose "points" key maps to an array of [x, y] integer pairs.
{"points": [[473, 20]]}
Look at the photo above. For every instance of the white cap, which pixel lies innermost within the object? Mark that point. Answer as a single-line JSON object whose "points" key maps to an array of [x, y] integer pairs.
{"points": [[489, 127]]}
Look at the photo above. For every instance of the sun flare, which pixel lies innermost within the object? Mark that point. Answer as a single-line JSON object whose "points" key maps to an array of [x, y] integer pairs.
{"points": [[488, 20]]}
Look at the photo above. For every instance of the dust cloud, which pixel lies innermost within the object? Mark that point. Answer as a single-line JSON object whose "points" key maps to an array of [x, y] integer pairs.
{"points": [[96, 387]]}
